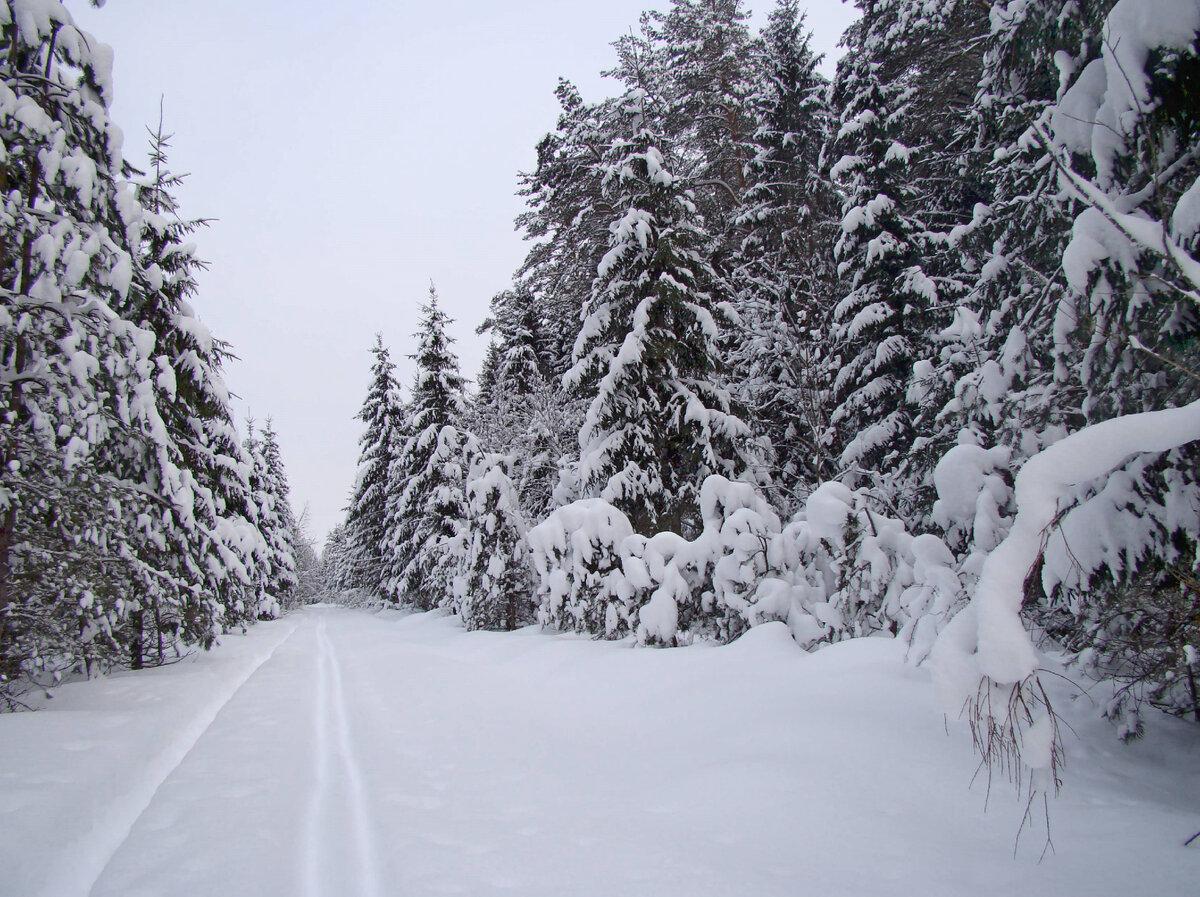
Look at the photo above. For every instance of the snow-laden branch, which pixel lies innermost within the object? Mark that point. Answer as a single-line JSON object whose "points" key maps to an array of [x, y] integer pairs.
{"points": [[1143, 232], [987, 641]]}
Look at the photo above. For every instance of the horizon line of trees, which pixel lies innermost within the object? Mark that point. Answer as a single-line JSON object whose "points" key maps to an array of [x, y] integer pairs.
{"points": [[780, 346]]}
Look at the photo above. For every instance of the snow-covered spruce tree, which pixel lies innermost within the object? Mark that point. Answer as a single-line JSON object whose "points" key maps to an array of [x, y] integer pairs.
{"points": [[489, 371], [336, 574], [281, 536], [495, 588], [1007, 368], [525, 357], [426, 503], [259, 601], [275, 574], [933, 54], [693, 62], [518, 411], [658, 421], [989, 391], [436, 499], [366, 515], [784, 270], [1105, 529], [996, 375], [214, 549], [1063, 305], [538, 430], [34, 619], [1120, 569], [885, 309]]}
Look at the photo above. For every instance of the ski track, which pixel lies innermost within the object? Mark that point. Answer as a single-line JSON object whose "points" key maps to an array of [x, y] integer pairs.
{"points": [[338, 782], [314, 856], [90, 856]]}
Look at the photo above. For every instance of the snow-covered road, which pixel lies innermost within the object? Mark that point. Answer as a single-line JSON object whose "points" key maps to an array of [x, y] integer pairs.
{"points": [[344, 753]]}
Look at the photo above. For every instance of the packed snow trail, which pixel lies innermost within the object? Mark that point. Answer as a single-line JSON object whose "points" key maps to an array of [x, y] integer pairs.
{"points": [[275, 788], [385, 754], [338, 809]]}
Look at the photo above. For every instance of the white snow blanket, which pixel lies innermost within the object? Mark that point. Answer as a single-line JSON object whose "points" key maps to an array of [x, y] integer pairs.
{"points": [[338, 752]]}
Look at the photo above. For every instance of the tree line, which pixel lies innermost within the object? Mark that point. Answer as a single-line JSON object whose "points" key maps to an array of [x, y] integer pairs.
{"points": [[135, 520], [781, 345]]}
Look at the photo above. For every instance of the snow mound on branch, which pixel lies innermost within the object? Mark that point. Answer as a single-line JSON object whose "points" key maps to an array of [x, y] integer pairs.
{"points": [[1099, 112], [577, 554], [972, 494]]}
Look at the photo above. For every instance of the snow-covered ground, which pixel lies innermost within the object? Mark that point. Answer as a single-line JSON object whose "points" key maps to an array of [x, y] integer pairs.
{"points": [[339, 753]]}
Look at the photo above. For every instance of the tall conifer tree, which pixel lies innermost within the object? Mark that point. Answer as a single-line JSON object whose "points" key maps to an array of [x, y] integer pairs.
{"points": [[694, 61], [205, 455], [281, 537], [784, 270], [659, 421], [425, 486], [885, 306], [366, 517]]}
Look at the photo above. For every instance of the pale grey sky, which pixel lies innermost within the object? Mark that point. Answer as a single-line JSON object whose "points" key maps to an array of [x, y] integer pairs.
{"points": [[350, 153]]}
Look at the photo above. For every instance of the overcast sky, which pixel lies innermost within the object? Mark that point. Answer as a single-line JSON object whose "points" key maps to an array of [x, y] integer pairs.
{"points": [[349, 154]]}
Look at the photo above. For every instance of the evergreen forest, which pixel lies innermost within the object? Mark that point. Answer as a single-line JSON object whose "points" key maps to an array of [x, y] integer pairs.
{"points": [[912, 351]]}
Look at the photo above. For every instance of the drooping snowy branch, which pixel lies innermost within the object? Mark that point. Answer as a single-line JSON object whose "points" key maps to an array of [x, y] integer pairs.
{"points": [[987, 642]]}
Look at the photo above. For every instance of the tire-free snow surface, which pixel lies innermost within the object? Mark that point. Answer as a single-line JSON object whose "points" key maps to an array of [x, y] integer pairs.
{"points": [[343, 753]]}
